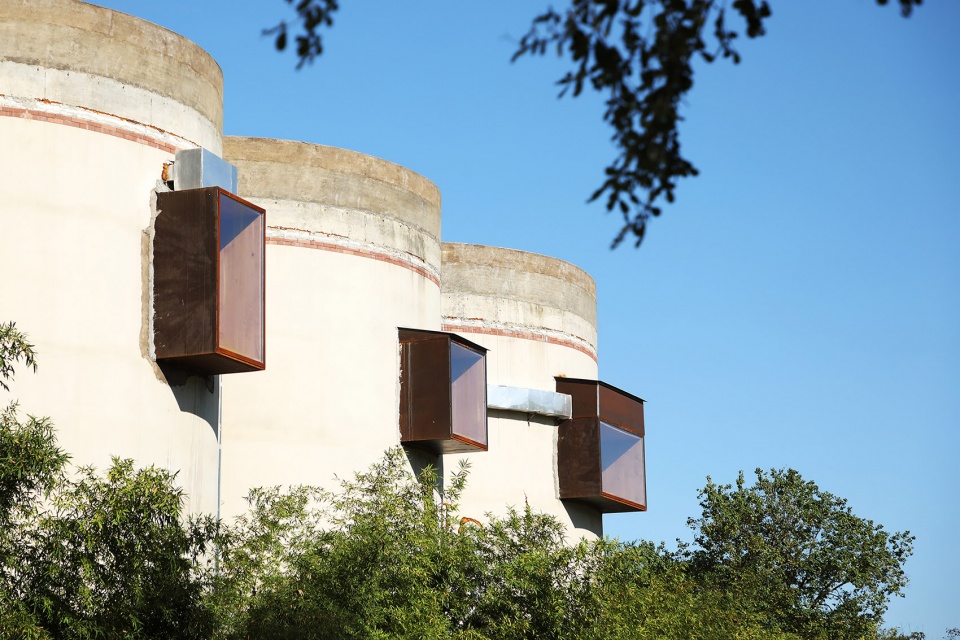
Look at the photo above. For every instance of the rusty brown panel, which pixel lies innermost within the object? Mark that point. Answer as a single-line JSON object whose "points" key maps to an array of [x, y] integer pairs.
{"points": [[413, 335], [583, 393], [605, 504], [186, 283], [578, 458], [426, 383], [406, 396], [210, 364], [621, 409], [461, 444], [426, 392], [185, 274], [613, 504], [235, 328], [237, 362]]}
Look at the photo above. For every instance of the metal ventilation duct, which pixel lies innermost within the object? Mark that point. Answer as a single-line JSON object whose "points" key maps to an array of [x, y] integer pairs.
{"points": [[198, 168]]}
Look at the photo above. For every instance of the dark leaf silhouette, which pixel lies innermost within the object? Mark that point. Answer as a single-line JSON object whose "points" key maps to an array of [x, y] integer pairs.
{"points": [[639, 55]]}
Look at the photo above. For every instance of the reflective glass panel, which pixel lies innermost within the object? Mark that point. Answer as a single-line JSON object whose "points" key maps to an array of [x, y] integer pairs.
{"points": [[469, 393], [621, 456], [241, 279]]}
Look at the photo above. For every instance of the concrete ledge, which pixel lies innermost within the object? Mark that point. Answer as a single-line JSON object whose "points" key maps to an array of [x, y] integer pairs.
{"points": [[491, 287], [535, 401], [333, 192], [73, 41]]}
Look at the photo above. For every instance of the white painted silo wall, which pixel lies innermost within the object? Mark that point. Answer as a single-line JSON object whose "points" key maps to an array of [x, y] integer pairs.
{"points": [[92, 103], [537, 315], [353, 253]]}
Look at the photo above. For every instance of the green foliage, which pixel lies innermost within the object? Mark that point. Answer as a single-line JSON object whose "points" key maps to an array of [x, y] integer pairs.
{"points": [[387, 556], [638, 54], [312, 15], [30, 461], [104, 557], [798, 555], [533, 583], [651, 594], [897, 634], [111, 558], [84, 556], [30, 464], [14, 347]]}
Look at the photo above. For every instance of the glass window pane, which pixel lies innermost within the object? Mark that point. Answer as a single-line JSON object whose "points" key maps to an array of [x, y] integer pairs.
{"points": [[469, 382], [621, 456], [241, 279]]}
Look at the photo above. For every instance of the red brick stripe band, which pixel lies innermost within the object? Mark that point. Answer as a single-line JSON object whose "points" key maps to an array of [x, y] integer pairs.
{"points": [[525, 335], [79, 123], [353, 251]]}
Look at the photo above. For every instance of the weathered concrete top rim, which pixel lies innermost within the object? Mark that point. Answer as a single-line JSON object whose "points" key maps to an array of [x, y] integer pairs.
{"points": [[461, 254], [306, 156], [70, 35]]}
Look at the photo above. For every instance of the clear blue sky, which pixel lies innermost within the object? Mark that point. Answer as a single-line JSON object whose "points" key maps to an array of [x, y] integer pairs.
{"points": [[799, 306]]}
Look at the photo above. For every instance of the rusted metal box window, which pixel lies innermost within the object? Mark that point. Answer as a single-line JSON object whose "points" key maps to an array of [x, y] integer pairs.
{"points": [[208, 261], [600, 453], [443, 392]]}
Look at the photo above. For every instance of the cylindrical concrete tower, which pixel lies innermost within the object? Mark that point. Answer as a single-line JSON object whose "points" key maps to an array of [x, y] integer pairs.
{"points": [[92, 104], [353, 253], [538, 317]]}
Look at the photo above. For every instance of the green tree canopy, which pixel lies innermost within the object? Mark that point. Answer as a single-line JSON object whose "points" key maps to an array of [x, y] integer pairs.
{"points": [[799, 555], [85, 556], [389, 555]]}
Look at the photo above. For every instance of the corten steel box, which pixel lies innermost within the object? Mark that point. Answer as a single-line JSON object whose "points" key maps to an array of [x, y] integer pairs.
{"points": [[600, 449], [208, 261], [443, 392]]}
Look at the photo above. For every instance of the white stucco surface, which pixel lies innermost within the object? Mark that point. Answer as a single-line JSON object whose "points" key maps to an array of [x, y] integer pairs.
{"points": [[72, 259], [353, 253], [327, 402], [519, 466], [92, 104], [494, 296]]}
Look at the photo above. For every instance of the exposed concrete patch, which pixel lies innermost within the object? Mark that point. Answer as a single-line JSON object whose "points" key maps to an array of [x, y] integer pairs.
{"points": [[504, 292], [71, 37], [147, 350], [339, 181], [313, 159], [458, 255]]}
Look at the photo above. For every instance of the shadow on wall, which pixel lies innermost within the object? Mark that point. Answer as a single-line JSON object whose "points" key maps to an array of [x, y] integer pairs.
{"points": [[420, 460], [197, 395], [584, 517]]}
